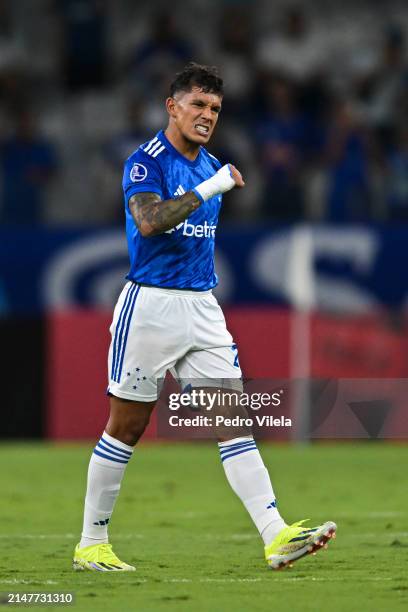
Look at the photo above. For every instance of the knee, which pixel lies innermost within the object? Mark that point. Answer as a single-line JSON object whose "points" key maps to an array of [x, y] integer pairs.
{"points": [[128, 427], [135, 429]]}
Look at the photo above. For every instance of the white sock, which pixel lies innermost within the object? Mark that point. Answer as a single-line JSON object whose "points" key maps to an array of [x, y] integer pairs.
{"points": [[106, 468], [250, 480]]}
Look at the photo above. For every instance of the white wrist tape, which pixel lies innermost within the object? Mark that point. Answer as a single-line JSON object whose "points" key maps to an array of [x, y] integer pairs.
{"points": [[221, 182]]}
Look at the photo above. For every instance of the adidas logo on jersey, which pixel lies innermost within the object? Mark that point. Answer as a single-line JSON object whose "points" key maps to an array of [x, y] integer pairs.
{"points": [[199, 231], [179, 191]]}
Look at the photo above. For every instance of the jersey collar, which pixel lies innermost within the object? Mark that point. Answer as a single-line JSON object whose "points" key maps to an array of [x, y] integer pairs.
{"points": [[192, 163]]}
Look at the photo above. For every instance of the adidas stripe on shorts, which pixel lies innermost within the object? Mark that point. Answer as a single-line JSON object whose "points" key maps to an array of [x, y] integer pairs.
{"points": [[155, 330]]}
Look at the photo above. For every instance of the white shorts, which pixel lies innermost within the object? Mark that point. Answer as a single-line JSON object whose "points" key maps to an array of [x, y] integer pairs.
{"points": [[155, 330]]}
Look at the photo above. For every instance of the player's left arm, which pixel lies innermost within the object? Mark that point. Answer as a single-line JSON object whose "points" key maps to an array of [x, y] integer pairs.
{"points": [[154, 216]]}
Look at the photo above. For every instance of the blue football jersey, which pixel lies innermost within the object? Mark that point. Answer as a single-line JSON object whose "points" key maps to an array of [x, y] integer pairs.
{"points": [[182, 257]]}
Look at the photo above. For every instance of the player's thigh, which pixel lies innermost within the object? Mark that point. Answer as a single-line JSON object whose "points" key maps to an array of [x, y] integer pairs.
{"points": [[146, 341], [214, 352], [213, 366], [216, 372], [214, 355], [209, 366]]}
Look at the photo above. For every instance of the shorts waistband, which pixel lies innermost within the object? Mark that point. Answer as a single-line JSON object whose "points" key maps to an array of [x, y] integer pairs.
{"points": [[179, 292]]}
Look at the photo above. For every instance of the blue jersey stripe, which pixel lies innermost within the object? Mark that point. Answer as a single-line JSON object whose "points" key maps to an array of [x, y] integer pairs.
{"points": [[118, 326], [129, 318], [122, 327]]}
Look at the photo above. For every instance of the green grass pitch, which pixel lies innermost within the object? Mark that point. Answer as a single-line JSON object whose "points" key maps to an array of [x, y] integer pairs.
{"points": [[194, 546]]}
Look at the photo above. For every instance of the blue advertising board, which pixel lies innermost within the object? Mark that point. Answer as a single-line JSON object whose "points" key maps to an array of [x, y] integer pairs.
{"points": [[333, 268]]}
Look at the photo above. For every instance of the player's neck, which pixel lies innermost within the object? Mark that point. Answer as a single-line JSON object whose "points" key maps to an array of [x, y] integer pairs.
{"points": [[188, 149]]}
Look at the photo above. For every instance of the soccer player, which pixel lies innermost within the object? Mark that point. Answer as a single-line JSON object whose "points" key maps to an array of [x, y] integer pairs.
{"points": [[167, 317]]}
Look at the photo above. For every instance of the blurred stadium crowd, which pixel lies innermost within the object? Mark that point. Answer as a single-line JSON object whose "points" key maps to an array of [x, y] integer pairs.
{"points": [[315, 112]]}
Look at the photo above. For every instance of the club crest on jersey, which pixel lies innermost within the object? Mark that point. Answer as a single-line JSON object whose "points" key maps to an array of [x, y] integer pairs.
{"points": [[138, 173]]}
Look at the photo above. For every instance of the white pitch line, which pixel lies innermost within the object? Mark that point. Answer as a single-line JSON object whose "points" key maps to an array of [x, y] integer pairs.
{"points": [[281, 578], [340, 579], [22, 581], [345, 533], [230, 579], [137, 581], [223, 580], [60, 536], [38, 536], [120, 536]]}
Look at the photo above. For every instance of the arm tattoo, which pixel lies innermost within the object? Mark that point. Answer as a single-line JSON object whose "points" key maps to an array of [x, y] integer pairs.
{"points": [[154, 216]]}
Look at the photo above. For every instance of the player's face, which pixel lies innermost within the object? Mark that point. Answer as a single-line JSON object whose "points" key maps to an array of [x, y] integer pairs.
{"points": [[195, 114]]}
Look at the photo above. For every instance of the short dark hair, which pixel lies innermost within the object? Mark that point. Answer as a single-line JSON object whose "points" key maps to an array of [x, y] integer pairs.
{"points": [[197, 75]]}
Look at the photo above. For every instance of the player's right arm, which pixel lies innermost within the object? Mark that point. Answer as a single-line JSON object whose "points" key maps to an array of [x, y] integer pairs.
{"points": [[153, 214]]}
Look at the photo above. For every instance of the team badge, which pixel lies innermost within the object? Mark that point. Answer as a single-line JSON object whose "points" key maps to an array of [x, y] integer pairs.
{"points": [[138, 173]]}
